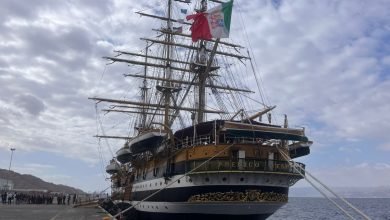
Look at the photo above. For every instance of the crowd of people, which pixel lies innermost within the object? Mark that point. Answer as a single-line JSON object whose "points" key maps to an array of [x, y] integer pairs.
{"points": [[38, 198]]}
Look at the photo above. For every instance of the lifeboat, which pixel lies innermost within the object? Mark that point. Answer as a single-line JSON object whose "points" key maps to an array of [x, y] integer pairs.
{"points": [[124, 154], [147, 141], [299, 149], [113, 167]]}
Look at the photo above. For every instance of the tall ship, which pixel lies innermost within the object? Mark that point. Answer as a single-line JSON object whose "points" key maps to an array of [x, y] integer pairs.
{"points": [[202, 144]]}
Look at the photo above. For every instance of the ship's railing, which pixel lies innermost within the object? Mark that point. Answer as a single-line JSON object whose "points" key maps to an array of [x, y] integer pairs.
{"points": [[246, 165], [189, 142], [207, 139]]}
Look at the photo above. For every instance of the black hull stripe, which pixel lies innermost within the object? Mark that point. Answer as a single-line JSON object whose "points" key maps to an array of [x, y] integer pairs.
{"points": [[182, 194], [171, 216]]}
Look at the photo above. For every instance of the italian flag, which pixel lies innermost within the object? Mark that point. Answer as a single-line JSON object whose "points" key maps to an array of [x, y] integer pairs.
{"points": [[214, 23]]}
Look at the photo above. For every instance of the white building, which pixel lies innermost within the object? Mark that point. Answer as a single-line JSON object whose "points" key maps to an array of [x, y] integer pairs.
{"points": [[6, 184]]}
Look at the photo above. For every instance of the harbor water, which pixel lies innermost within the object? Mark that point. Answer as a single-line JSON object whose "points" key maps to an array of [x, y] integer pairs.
{"points": [[321, 208]]}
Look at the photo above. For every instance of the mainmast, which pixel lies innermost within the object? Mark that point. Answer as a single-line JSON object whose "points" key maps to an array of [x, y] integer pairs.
{"points": [[170, 69], [202, 59]]}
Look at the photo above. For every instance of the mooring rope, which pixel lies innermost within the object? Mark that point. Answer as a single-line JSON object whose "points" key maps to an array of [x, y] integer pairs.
{"points": [[185, 175], [294, 166], [341, 198]]}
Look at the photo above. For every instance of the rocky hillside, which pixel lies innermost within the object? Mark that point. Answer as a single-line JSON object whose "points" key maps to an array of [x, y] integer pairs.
{"points": [[26, 181]]}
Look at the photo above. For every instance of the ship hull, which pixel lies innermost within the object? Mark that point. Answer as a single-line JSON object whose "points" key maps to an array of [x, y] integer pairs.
{"points": [[239, 198], [171, 216], [214, 211]]}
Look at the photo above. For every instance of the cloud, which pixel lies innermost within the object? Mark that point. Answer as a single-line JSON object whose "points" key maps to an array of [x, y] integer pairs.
{"points": [[358, 175], [325, 68], [30, 103], [36, 169], [385, 146]]}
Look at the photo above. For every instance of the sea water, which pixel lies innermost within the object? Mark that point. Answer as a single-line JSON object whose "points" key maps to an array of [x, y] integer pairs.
{"points": [[321, 208]]}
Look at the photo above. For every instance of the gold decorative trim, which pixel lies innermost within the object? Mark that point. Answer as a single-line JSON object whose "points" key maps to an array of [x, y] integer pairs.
{"points": [[248, 196]]}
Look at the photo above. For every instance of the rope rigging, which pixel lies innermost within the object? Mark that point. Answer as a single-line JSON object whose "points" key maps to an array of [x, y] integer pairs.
{"points": [[300, 171]]}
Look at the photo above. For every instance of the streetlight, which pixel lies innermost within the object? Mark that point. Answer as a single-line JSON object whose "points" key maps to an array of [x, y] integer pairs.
{"points": [[12, 152], [9, 168]]}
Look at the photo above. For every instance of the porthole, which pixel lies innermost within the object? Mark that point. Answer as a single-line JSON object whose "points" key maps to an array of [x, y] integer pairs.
{"points": [[160, 183], [178, 181], [190, 180], [207, 179], [224, 179], [241, 179]]}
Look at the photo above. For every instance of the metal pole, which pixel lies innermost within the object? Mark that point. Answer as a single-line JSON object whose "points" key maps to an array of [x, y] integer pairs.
{"points": [[12, 152], [9, 168]]}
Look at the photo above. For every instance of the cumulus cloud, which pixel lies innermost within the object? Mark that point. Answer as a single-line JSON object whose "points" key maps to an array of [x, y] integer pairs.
{"points": [[30, 103], [365, 174], [320, 63]]}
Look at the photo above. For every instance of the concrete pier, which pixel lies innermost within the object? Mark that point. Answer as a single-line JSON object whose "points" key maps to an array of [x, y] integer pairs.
{"points": [[50, 212]]}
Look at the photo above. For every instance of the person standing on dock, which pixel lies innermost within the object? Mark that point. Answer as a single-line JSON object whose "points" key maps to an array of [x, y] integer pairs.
{"points": [[10, 197], [63, 199], [4, 197]]}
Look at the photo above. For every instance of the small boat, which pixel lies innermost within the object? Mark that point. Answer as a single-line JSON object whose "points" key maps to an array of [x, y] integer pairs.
{"points": [[299, 149], [124, 154], [147, 141], [113, 167]]}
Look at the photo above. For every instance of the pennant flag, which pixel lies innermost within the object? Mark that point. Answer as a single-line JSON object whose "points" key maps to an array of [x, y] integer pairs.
{"points": [[214, 23], [184, 11], [177, 29]]}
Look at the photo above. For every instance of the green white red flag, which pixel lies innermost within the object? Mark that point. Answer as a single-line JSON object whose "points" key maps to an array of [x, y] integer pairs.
{"points": [[214, 23]]}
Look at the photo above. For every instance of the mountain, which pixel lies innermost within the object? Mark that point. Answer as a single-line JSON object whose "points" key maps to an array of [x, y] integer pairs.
{"points": [[346, 192], [26, 181]]}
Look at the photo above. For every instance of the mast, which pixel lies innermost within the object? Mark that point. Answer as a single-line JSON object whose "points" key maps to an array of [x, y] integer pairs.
{"points": [[167, 88], [197, 70], [202, 57], [144, 90], [168, 75]]}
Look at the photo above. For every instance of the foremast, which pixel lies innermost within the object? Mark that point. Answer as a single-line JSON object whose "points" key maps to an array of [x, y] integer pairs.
{"points": [[168, 88]]}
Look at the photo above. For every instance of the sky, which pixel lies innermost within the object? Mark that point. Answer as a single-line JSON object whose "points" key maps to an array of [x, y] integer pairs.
{"points": [[324, 63]]}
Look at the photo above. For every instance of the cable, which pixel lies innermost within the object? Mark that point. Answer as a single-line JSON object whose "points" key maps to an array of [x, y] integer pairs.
{"points": [[294, 166]]}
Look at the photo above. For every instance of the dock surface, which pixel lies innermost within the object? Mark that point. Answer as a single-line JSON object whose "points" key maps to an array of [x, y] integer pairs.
{"points": [[50, 212]]}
